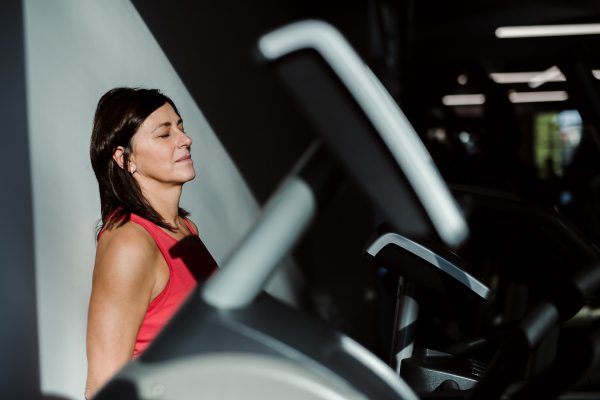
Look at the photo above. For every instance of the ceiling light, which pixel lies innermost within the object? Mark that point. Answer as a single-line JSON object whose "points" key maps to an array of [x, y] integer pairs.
{"points": [[547, 30], [462, 79], [515, 97], [463, 99], [537, 97], [546, 76], [513, 77], [526, 77]]}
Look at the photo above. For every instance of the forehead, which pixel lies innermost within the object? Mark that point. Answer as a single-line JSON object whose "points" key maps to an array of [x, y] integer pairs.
{"points": [[161, 115]]}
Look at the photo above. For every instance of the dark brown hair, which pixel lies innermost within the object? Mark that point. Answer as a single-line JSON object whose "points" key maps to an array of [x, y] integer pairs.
{"points": [[119, 115]]}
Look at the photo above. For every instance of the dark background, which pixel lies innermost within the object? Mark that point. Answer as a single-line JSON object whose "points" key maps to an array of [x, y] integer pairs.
{"points": [[210, 45], [416, 47]]}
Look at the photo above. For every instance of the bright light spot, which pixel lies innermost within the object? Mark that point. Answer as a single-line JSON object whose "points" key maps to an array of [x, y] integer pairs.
{"points": [[463, 99], [462, 79], [513, 77], [570, 127], [537, 97], [546, 76], [569, 119], [464, 137], [572, 137], [547, 30], [440, 134], [525, 77], [515, 97], [436, 134]]}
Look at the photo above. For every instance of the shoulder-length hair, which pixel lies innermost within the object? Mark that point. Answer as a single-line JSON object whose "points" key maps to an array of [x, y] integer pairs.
{"points": [[119, 115]]}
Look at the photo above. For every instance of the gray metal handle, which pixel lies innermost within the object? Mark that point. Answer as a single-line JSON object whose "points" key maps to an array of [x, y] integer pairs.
{"points": [[383, 112], [273, 234]]}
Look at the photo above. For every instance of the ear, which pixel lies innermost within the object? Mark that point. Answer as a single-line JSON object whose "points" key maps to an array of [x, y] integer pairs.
{"points": [[118, 156]]}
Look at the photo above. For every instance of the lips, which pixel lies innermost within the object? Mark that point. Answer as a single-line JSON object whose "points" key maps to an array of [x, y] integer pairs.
{"points": [[184, 158]]}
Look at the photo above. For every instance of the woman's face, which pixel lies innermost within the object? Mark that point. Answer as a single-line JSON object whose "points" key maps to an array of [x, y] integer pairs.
{"points": [[161, 149]]}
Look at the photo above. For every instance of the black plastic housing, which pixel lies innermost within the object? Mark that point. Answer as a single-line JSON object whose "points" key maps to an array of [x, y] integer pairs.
{"points": [[353, 140]]}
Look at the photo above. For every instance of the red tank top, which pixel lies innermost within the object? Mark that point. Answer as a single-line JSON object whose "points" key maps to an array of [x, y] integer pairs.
{"points": [[188, 265]]}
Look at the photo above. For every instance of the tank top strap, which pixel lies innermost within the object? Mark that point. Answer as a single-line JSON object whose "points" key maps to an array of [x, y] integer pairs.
{"points": [[190, 227], [157, 234]]}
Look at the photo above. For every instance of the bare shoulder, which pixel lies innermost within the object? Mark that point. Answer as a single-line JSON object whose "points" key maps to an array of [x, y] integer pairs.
{"points": [[125, 252], [129, 237], [193, 225]]}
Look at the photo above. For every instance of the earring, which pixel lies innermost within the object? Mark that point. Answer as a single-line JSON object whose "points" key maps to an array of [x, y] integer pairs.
{"points": [[131, 170]]}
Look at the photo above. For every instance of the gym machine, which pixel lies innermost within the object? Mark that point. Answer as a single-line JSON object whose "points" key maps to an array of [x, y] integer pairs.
{"points": [[229, 339], [428, 265], [422, 264]]}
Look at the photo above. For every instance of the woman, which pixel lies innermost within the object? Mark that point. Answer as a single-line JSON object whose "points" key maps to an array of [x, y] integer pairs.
{"points": [[149, 256]]}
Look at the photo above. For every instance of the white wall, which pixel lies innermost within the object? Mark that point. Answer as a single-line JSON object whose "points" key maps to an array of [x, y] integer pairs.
{"points": [[76, 51]]}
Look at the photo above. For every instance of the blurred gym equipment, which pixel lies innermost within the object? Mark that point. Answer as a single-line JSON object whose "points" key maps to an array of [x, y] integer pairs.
{"points": [[227, 321]]}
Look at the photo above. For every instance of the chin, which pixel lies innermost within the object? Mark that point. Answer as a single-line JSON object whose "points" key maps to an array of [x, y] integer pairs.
{"points": [[183, 175], [188, 177]]}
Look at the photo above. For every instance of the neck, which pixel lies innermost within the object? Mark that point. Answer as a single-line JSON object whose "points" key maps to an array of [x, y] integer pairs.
{"points": [[164, 199]]}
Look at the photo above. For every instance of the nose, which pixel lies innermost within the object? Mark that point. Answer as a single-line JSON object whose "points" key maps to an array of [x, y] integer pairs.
{"points": [[185, 140]]}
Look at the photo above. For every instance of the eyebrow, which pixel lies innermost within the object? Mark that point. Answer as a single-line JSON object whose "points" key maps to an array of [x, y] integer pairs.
{"points": [[166, 124]]}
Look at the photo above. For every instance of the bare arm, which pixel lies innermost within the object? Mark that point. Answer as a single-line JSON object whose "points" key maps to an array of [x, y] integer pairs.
{"points": [[123, 283]]}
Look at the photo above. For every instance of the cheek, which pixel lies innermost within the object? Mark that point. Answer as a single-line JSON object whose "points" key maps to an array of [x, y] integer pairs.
{"points": [[154, 156]]}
